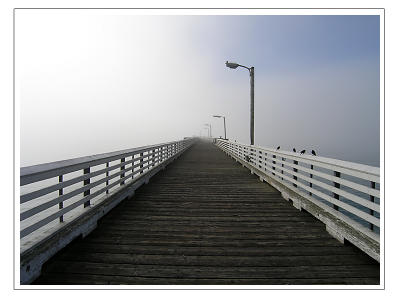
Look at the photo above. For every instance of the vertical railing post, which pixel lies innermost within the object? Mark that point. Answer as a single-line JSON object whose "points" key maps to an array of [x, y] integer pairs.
{"points": [[141, 163], [336, 185], [149, 158], [123, 173], [311, 176], [165, 152], [265, 161], [295, 170], [273, 162], [107, 174], [283, 159], [60, 193], [133, 165], [153, 157], [372, 199], [86, 182]]}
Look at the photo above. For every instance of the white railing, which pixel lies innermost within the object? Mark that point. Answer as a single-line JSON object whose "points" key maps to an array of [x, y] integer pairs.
{"points": [[350, 189], [53, 194]]}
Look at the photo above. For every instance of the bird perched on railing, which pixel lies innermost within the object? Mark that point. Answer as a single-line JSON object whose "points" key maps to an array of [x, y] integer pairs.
{"points": [[294, 149], [313, 152], [302, 151]]}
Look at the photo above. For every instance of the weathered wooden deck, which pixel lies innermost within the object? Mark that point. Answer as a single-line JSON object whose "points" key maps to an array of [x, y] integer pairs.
{"points": [[206, 220]]}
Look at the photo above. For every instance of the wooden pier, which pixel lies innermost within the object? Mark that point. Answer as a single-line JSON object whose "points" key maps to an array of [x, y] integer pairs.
{"points": [[206, 220]]}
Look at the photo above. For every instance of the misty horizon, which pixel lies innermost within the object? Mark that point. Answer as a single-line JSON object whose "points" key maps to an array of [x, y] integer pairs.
{"points": [[94, 83]]}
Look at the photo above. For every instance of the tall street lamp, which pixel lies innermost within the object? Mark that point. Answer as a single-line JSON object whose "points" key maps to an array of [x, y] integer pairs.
{"points": [[224, 123], [251, 70], [209, 125]]}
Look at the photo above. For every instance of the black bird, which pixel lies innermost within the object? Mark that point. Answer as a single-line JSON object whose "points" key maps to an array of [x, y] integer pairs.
{"points": [[303, 151], [294, 149], [313, 152], [279, 147]]}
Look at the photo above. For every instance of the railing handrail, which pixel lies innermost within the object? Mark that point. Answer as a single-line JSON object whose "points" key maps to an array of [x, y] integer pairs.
{"points": [[126, 167], [44, 171], [362, 168]]}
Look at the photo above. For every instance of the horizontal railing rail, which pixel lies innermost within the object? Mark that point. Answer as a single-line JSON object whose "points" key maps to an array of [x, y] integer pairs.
{"points": [[349, 188], [52, 191]]}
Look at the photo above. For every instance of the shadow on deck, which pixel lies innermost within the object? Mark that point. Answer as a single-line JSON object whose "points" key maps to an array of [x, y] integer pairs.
{"points": [[206, 220]]}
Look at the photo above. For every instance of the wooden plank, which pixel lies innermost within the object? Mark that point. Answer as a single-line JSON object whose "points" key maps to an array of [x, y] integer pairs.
{"points": [[97, 246], [77, 279], [218, 242], [165, 271], [216, 261], [212, 230]]}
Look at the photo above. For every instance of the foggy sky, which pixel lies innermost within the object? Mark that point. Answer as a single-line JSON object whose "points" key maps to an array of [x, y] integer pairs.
{"points": [[88, 83]]}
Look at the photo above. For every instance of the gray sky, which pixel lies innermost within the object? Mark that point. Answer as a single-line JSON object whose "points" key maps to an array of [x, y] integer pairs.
{"points": [[90, 83]]}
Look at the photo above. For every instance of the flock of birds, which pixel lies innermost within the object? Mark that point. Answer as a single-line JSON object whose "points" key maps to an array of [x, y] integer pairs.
{"points": [[301, 152], [248, 158]]}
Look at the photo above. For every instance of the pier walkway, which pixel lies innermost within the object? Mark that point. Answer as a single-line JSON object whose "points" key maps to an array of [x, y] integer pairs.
{"points": [[206, 220]]}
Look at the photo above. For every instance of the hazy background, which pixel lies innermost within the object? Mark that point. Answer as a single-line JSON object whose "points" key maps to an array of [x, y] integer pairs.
{"points": [[92, 83]]}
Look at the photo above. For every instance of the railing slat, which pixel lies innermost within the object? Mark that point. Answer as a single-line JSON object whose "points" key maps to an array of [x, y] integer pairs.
{"points": [[353, 169], [329, 188], [293, 176], [48, 170], [326, 197], [35, 194]]}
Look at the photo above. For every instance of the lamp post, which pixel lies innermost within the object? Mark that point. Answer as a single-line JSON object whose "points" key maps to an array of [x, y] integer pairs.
{"points": [[209, 125], [251, 71], [208, 131], [224, 123]]}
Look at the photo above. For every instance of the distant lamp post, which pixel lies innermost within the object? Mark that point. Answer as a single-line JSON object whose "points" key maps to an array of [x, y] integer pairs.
{"points": [[224, 123], [208, 131], [251, 70], [209, 126]]}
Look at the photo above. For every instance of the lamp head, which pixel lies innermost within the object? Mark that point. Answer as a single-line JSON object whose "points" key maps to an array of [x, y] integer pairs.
{"points": [[217, 116], [231, 65]]}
